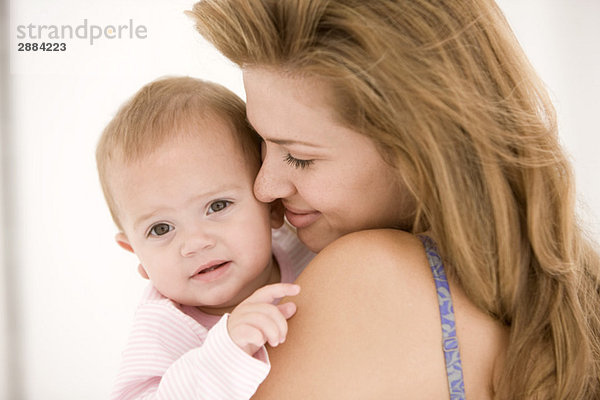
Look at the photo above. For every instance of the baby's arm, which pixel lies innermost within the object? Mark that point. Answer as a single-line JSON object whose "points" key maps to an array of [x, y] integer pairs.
{"points": [[166, 358]]}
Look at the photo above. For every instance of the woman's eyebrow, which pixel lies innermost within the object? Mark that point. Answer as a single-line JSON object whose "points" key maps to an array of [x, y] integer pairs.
{"points": [[288, 142], [282, 142]]}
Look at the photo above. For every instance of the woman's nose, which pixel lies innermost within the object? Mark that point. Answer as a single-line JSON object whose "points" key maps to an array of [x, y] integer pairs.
{"points": [[272, 181], [196, 240]]}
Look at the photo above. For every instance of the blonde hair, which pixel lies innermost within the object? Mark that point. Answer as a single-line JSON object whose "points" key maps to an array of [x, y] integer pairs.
{"points": [[164, 110], [448, 96]]}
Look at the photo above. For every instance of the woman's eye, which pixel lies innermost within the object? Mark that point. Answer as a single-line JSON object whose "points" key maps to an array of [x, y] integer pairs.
{"points": [[296, 162], [160, 229], [218, 205]]}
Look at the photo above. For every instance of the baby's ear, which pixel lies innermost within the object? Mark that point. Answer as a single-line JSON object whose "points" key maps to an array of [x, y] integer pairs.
{"points": [[123, 242], [277, 211]]}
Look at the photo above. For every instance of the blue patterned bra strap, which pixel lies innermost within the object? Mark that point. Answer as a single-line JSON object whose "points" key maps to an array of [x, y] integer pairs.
{"points": [[450, 346]]}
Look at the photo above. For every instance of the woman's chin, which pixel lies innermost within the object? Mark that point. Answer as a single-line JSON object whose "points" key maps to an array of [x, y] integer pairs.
{"points": [[315, 240]]}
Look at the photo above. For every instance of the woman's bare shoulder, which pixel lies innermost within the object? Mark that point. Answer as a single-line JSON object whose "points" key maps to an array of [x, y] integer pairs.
{"points": [[364, 244], [368, 326], [365, 257], [381, 239]]}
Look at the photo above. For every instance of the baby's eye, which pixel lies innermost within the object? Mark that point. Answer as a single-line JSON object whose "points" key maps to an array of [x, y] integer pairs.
{"points": [[160, 229], [296, 162], [218, 205]]}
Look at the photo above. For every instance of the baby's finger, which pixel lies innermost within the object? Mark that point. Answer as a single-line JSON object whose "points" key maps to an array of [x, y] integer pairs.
{"points": [[287, 309], [269, 293], [247, 314], [247, 337], [269, 327]]}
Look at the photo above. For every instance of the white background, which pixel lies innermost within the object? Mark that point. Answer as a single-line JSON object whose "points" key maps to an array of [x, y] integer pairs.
{"points": [[68, 291]]}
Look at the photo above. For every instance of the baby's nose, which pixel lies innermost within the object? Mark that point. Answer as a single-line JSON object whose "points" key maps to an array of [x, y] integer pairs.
{"points": [[196, 240]]}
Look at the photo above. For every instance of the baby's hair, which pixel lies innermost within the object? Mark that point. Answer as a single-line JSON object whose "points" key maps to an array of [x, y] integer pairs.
{"points": [[164, 110]]}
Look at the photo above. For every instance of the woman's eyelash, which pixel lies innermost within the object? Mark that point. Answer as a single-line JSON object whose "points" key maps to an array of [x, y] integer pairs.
{"points": [[296, 162]]}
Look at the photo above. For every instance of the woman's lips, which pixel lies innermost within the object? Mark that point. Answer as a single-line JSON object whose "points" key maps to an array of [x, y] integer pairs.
{"points": [[301, 219]]}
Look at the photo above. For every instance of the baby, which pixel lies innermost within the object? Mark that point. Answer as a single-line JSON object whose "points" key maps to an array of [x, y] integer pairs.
{"points": [[177, 166]]}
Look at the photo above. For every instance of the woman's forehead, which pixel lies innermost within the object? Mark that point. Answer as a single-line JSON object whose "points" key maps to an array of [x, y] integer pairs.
{"points": [[280, 105]]}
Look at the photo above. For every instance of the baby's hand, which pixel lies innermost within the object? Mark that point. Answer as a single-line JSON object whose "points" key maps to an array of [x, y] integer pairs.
{"points": [[256, 320]]}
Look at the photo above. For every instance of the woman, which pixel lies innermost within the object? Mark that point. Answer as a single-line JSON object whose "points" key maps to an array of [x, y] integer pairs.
{"points": [[416, 117]]}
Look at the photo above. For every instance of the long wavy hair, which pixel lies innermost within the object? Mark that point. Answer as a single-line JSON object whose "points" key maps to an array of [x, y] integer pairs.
{"points": [[448, 96]]}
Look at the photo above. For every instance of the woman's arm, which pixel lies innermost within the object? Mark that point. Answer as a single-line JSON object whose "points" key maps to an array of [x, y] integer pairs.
{"points": [[367, 325]]}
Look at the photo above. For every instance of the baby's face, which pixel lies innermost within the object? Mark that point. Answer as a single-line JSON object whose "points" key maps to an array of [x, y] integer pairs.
{"points": [[189, 213]]}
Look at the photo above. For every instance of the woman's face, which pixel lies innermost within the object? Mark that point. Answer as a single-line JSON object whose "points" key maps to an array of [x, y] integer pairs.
{"points": [[331, 179]]}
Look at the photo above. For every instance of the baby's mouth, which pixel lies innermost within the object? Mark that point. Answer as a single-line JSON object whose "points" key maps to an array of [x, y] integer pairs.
{"points": [[209, 269]]}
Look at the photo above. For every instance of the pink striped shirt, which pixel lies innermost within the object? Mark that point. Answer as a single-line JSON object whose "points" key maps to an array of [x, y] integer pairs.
{"points": [[179, 352]]}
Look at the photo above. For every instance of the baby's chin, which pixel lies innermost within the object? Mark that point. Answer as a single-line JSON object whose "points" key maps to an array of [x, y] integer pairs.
{"points": [[218, 305], [210, 305], [216, 309]]}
